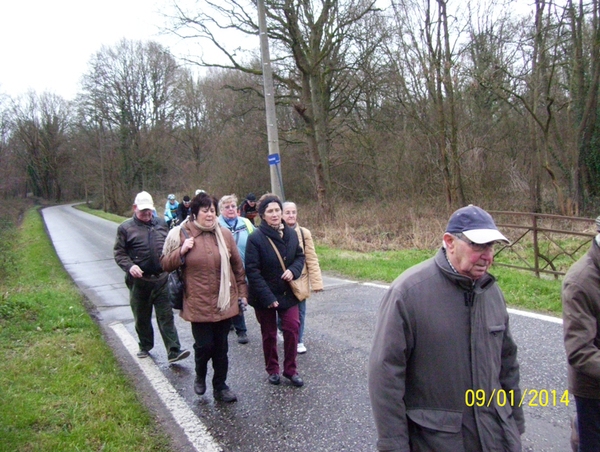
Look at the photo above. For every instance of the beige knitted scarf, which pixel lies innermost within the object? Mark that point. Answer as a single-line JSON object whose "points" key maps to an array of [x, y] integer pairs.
{"points": [[173, 241], [224, 288]]}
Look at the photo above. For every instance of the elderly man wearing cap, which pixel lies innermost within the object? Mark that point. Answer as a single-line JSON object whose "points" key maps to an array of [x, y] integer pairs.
{"points": [[581, 324], [442, 334], [137, 251]]}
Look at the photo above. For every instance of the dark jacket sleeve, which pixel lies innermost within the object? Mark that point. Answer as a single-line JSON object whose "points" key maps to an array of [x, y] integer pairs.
{"points": [[261, 294], [120, 250], [298, 263], [387, 374]]}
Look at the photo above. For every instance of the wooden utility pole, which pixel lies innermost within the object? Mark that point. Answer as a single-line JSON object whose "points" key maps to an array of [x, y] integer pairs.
{"points": [[272, 134]]}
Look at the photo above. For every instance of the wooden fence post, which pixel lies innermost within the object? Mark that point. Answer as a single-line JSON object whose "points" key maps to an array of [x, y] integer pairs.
{"points": [[536, 251]]}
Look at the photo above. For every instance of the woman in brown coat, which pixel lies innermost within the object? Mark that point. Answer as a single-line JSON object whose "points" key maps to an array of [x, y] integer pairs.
{"points": [[214, 278]]}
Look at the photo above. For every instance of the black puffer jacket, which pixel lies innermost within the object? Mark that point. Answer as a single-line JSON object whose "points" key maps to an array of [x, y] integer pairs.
{"points": [[140, 244], [263, 268]]}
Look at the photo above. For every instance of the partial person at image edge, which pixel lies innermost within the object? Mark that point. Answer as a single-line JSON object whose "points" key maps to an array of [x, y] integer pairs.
{"points": [[443, 329], [581, 325]]}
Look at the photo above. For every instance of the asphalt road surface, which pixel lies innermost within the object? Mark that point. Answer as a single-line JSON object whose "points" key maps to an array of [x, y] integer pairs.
{"points": [[331, 412]]}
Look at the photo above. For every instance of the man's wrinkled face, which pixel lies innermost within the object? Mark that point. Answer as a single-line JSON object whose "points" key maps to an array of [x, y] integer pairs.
{"points": [[143, 215], [468, 258]]}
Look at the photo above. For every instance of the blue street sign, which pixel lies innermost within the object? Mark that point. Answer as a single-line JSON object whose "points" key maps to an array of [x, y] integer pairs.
{"points": [[274, 159]]}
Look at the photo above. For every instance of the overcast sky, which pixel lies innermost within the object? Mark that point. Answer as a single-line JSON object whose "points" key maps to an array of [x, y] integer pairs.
{"points": [[46, 44]]}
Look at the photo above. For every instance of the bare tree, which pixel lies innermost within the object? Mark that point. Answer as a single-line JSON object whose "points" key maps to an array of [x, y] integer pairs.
{"points": [[585, 70], [41, 125], [425, 55], [128, 98], [313, 49]]}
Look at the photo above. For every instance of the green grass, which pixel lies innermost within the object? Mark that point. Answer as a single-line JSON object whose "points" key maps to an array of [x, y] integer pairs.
{"points": [[521, 288], [61, 388], [101, 213]]}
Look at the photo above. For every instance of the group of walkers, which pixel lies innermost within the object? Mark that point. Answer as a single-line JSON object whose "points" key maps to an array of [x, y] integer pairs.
{"points": [[442, 329], [227, 262], [176, 212]]}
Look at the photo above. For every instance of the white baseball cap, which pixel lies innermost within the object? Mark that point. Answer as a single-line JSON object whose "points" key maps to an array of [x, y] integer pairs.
{"points": [[143, 201]]}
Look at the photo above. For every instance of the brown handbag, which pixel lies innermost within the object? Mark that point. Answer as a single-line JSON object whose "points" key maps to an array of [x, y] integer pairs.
{"points": [[299, 286]]}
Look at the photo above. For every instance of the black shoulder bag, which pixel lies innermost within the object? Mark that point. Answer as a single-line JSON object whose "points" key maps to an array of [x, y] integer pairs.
{"points": [[175, 284]]}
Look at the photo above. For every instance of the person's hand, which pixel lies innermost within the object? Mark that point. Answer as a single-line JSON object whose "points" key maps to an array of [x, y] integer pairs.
{"points": [[188, 244], [274, 305], [136, 271], [287, 275]]}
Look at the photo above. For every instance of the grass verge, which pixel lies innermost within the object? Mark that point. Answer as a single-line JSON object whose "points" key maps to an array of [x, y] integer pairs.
{"points": [[61, 388], [521, 288], [100, 213]]}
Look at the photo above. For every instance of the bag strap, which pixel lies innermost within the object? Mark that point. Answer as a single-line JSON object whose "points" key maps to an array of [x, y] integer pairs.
{"points": [[277, 252], [303, 242], [184, 232], [182, 229]]}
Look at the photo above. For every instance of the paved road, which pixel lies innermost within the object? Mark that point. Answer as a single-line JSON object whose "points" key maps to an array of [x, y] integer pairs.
{"points": [[331, 412]]}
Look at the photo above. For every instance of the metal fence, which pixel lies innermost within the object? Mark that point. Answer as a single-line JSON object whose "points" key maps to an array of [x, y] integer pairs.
{"points": [[542, 243]]}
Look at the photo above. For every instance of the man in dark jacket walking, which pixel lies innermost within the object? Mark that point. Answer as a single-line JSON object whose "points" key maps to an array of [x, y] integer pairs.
{"points": [[581, 324], [137, 251], [442, 334]]}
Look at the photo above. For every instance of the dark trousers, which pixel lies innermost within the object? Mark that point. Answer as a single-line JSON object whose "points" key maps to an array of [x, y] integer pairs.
{"points": [[210, 342], [588, 419], [290, 324], [143, 296], [239, 323]]}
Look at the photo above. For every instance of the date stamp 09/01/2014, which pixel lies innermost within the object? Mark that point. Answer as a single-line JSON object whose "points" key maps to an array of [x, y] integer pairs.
{"points": [[534, 398]]}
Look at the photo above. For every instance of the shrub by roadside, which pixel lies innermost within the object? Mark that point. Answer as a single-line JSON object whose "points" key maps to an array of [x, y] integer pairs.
{"points": [[61, 388]]}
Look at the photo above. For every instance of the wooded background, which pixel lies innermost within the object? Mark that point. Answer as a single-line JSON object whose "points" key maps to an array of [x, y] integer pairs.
{"points": [[415, 102]]}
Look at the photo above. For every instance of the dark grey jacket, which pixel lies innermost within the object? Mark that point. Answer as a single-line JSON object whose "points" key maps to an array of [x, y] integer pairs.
{"points": [[581, 323], [140, 244], [438, 335]]}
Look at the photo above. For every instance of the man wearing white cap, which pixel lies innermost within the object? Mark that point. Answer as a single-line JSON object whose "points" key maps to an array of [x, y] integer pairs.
{"points": [[137, 251], [443, 334]]}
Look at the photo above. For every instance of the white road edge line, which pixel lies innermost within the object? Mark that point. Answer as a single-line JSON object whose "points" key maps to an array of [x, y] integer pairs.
{"points": [[533, 315], [196, 432]]}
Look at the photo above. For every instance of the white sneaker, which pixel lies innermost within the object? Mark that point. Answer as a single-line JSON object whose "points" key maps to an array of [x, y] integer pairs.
{"points": [[301, 348]]}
